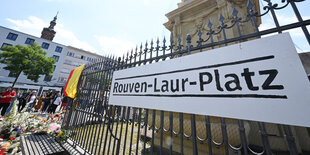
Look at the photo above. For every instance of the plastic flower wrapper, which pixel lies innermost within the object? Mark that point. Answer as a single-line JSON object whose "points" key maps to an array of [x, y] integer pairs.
{"points": [[53, 127]]}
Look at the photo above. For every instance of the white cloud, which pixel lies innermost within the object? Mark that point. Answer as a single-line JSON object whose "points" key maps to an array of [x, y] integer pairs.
{"points": [[114, 46], [34, 25]]}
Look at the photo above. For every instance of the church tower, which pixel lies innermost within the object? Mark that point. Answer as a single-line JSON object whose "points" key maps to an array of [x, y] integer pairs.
{"points": [[49, 33]]}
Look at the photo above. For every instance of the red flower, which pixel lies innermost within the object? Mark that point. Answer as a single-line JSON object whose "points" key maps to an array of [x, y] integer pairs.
{"points": [[2, 152], [12, 138], [51, 116]]}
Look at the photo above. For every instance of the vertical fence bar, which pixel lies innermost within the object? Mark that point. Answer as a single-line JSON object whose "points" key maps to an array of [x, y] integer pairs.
{"points": [[275, 19], [181, 132], [138, 134], [194, 139], [223, 28], [145, 129], [290, 140], [111, 126], [252, 15], [171, 131], [127, 121], [164, 49], [116, 129], [224, 135], [132, 128], [153, 129], [264, 138], [210, 33], [145, 52], [151, 51], [121, 130], [243, 137], [209, 137], [303, 27], [162, 115], [108, 126]]}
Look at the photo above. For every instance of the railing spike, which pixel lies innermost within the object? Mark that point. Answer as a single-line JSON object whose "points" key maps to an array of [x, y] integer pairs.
{"points": [[188, 38], [250, 5], [221, 18], [199, 33], [235, 12], [209, 24]]}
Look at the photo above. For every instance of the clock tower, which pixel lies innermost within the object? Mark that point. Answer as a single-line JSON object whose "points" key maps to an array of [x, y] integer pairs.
{"points": [[49, 32]]}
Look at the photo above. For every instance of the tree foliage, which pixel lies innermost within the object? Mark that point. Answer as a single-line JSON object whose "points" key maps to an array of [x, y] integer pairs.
{"points": [[30, 60]]}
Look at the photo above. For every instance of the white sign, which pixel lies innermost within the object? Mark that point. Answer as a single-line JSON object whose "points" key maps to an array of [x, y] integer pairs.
{"points": [[261, 80]]}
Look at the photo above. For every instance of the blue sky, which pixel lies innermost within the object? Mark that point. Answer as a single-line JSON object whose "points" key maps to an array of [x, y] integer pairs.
{"points": [[111, 26]]}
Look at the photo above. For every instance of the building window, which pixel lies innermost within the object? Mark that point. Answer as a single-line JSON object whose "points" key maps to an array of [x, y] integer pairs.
{"points": [[56, 58], [12, 36], [70, 54], [47, 78], [29, 41], [54, 67], [83, 57], [45, 45], [58, 49], [5, 44]]}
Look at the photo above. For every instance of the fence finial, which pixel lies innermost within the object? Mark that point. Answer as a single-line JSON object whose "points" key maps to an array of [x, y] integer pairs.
{"points": [[209, 24], [221, 18], [250, 5], [235, 12], [189, 40]]}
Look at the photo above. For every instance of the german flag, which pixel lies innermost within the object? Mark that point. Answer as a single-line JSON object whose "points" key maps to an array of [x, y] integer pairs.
{"points": [[72, 82]]}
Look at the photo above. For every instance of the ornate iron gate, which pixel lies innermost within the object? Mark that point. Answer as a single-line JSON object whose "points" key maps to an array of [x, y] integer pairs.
{"points": [[99, 128]]}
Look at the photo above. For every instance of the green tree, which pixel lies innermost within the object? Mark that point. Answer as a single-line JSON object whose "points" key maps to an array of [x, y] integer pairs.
{"points": [[30, 60]]}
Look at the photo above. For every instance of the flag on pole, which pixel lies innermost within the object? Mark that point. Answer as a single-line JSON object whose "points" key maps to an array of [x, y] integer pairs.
{"points": [[72, 82]]}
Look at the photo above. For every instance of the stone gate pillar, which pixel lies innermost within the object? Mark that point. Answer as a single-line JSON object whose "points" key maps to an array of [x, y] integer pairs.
{"points": [[192, 15]]}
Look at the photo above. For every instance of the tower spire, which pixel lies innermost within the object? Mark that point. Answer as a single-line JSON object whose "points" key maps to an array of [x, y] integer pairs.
{"points": [[49, 33], [55, 18]]}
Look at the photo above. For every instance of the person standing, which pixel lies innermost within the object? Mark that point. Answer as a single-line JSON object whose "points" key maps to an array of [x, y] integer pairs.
{"points": [[31, 100], [22, 101], [39, 104], [46, 101], [5, 99], [8, 110], [56, 103]]}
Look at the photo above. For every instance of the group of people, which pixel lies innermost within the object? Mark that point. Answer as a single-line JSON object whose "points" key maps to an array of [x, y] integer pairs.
{"points": [[47, 102]]}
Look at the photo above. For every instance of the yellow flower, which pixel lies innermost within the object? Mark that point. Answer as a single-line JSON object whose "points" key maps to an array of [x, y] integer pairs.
{"points": [[59, 134], [6, 145], [48, 131]]}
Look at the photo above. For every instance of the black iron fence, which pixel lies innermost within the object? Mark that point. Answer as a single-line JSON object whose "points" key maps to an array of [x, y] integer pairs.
{"points": [[99, 128]]}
